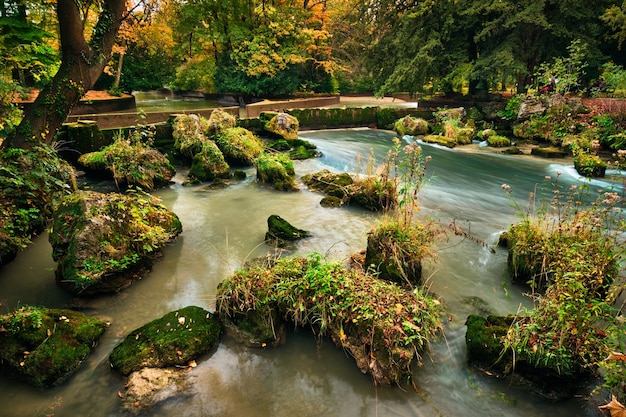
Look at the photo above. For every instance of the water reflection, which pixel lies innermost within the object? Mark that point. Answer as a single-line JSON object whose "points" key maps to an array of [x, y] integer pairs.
{"points": [[223, 228]]}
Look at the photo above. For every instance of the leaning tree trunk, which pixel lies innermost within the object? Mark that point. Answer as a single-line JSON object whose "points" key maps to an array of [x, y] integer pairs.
{"points": [[81, 65]]}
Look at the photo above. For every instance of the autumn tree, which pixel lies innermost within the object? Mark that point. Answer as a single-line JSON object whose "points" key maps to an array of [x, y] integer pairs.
{"points": [[83, 57]]}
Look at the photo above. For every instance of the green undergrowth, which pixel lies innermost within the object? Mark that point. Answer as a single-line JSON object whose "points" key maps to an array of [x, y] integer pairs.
{"points": [[31, 184], [384, 326]]}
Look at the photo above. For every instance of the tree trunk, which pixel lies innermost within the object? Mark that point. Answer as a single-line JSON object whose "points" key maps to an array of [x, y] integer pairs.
{"points": [[81, 65]]}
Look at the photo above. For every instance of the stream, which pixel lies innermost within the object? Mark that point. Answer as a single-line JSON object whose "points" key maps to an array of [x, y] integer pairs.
{"points": [[223, 228]]}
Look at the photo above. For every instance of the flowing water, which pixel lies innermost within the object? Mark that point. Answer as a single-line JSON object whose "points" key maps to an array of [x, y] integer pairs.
{"points": [[222, 228]]}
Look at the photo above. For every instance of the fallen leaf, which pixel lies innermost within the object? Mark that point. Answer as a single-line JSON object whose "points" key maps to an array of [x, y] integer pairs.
{"points": [[399, 308], [616, 356], [181, 320], [49, 333], [119, 394], [615, 408], [179, 352], [192, 363]]}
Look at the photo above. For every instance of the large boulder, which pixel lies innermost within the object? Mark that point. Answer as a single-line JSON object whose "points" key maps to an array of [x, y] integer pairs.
{"points": [[529, 107], [175, 339], [329, 183], [190, 133], [283, 125], [280, 231], [45, 346], [102, 242]]}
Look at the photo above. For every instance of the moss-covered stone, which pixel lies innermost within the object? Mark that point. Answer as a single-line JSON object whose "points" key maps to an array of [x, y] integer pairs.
{"points": [[189, 133], [589, 165], [102, 242], [129, 164], [276, 169], [457, 132], [220, 121], [209, 164], [331, 184], [83, 136], [331, 202], [45, 346], [172, 340], [239, 146], [548, 152], [412, 126], [440, 140], [283, 125], [498, 141], [280, 231]]}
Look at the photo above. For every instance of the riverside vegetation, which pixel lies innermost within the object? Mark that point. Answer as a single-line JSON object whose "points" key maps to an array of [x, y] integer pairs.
{"points": [[570, 254]]}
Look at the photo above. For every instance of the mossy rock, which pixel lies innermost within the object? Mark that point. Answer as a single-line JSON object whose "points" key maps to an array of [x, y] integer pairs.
{"points": [[440, 140], [83, 136], [129, 164], [172, 340], [497, 141], [486, 133], [457, 113], [190, 134], [45, 346], [239, 146], [590, 166], [483, 338], [412, 126], [209, 164], [283, 125], [458, 133], [548, 152], [102, 242], [329, 183], [512, 150], [280, 145], [276, 169], [280, 231], [220, 121], [331, 202]]}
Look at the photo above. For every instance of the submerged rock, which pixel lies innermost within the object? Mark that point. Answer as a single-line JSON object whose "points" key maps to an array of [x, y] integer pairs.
{"points": [[280, 231], [45, 346], [102, 242], [150, 387], [175, 339]]}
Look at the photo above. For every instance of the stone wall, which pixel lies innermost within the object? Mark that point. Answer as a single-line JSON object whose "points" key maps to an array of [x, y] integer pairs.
{"points": [[255, 109]]}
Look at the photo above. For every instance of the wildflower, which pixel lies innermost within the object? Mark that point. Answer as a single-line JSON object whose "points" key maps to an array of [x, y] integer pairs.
{"points": [[547, 177], [506, 187]]}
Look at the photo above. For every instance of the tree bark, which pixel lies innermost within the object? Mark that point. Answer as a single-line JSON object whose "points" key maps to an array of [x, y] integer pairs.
{"points": [[81, 66]]}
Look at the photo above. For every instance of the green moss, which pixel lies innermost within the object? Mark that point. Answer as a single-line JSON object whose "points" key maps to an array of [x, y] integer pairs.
{"points": [[189, 133], [45, 346], [280, 231], [409, 125], [209, 164], [498, 141], [485, 345], [440, 140], [239, 145], [548, 152], [172, 340], [283, 125], [276, 169], [220, 121]]}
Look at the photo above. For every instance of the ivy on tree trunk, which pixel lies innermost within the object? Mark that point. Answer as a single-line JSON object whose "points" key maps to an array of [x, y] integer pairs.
{"points": [[82, 63]]}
